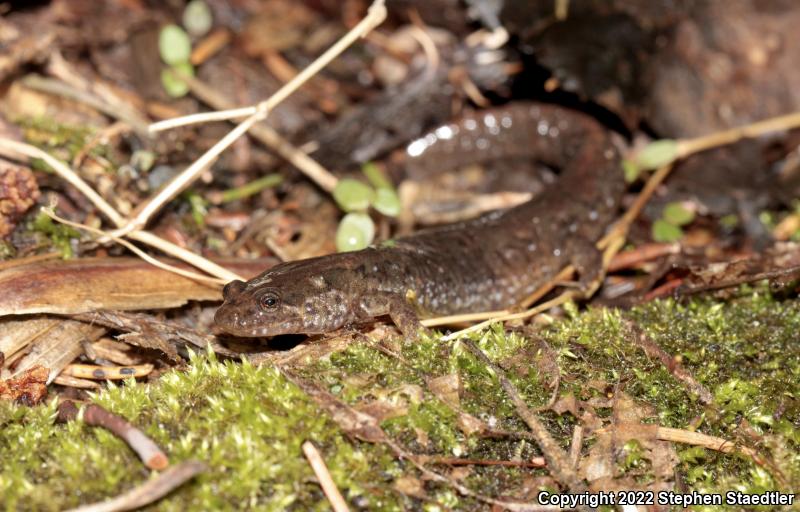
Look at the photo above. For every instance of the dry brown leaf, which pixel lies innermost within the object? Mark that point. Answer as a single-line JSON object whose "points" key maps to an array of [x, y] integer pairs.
{"points": [[410, 486], [89, 284], [383, 410], [446, 388], [469, 424], [567, 403], [601, 467], [29, 388]]}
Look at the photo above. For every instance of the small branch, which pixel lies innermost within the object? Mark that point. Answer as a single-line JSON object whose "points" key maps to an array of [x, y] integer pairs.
{"points": [[375, 16], [150, 491], [688, 147], [14, 149], [557, 459], [652, 349], [146, 257], [96, 416], [536, 462], [561, 299], [335, 497], [95, 372], [269, 137], [188, 176]]}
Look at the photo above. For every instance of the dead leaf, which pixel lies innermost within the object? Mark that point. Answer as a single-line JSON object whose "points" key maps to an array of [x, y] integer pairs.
{"points": [[410, 486], [383, 410], [29, 388], [469, 424], [567, 403], [446, 388], [89, 284]]}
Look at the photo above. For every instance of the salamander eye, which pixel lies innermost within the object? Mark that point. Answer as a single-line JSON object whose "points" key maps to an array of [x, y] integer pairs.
{"points": [[269, 301]]}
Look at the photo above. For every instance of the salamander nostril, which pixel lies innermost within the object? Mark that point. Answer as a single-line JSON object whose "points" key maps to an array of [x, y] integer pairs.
{"points": [[233, 289]]}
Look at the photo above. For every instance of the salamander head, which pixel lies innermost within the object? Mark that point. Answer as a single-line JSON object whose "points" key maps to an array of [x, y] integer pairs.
{"points": [[283, 300]]}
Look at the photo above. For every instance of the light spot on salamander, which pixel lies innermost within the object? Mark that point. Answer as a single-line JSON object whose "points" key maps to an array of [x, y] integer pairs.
{"points": [[556, 252], [445, 132], [542, 128], [417, 147], [482, 144], [573, 228], [506, 122], [593, 215], [470, 124], [532, 247]]}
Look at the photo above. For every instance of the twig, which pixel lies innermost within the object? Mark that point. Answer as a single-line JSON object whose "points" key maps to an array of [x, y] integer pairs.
{"points": [[96, 416], [150, 491], [536, 462], [58, 87], [335, 497], [91, 371], [688, 147], [146, 257], [365, 427], [179, 183], [269, 137], [375, 16], [557, 460], [575, 446], [652, 349], [561, 299], [16, 149]]}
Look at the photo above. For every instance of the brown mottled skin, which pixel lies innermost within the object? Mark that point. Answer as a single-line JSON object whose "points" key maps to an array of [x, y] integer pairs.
{"points": [[489, 263]]}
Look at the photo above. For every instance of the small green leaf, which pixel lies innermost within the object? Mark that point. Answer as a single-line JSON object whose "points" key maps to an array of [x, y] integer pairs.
{"points": [[387, 202], [663, 231], [254, 187], [173, 83], [143, 159], [677, 214], [352, 195], [356, 231], [174, 45], [631, 170], [199, 207], [376, 176], [657, 154], [197, 18], [729, 221]]}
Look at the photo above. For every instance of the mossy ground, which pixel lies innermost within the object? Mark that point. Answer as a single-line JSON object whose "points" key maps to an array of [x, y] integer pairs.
{"points": [[248, 423]]}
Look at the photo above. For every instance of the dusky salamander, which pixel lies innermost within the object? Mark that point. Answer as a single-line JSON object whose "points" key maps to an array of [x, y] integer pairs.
{"points": [[488, 263]]}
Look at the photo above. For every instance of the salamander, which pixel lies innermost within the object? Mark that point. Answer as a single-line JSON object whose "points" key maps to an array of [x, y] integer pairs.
{"points": [[491, 262]]}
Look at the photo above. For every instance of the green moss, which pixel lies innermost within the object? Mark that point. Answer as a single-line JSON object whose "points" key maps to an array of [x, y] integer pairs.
{"points": [[248, 423], [59, 236], [65, 141]]}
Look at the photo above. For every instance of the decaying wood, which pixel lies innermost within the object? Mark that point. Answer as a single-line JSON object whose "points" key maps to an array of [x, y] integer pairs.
{"points": [[55, 348]]}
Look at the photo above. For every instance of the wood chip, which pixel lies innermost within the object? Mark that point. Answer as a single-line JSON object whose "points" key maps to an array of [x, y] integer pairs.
{"points": [[90, 371], [56, 348]]}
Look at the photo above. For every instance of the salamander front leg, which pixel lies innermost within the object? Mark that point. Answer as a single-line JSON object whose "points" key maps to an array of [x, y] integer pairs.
{"points": [[402, 313]]}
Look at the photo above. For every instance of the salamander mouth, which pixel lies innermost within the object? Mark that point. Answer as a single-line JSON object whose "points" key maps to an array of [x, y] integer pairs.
{"points": [[230, 319]]}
